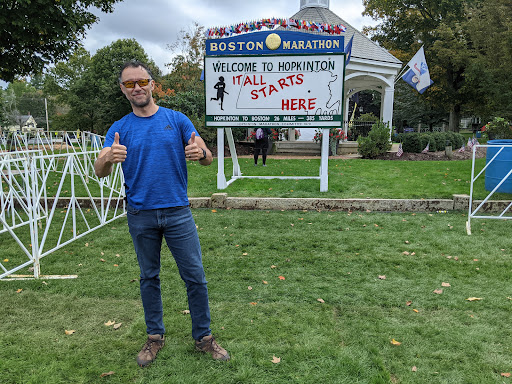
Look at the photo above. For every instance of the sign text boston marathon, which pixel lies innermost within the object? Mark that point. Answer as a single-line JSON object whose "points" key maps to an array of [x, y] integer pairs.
{"points": [[303, 88]]}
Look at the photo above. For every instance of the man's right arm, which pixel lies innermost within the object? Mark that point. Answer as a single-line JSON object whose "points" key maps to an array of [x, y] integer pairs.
{"points": [[108, 157]]}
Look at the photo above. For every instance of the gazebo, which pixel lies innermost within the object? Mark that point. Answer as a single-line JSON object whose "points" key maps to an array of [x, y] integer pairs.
{"points": [[371, 67]]}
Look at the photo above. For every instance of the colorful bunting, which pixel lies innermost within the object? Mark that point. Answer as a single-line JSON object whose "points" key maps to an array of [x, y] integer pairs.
{"points": [[271, 23]]}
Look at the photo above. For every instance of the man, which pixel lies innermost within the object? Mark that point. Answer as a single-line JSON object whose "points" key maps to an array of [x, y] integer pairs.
{"points": [[153, 143]]}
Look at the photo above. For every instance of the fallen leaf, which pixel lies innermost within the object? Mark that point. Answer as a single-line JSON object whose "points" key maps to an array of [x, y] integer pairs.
{"points": [[253, 303], [394, 342], [265, 282], [408, 303], [414, 369], [405, 253], [406, 242], [320, 300], [86, 244], [414, 253], [276, 360], [445, 284], [244, 254], [116, 265], [102, 260], [273, 267], [107, 374], [70, 332], [117, 326], [438, 291], [19, 290], [118, 255], [281, 278], [109, 323], [505, 374], [475, 259], [186, 312], [214, 210], [382, 277], [249, 288], [6, 260], [415, 310], [473, 298]]}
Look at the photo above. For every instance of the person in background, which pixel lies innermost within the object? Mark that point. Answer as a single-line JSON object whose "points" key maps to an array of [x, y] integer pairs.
{"points": [[261, 144], [153, 144]]}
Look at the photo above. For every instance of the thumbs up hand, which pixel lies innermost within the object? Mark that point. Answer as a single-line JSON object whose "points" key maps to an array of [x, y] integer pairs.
{"points": [[117, 153], [192, 150]]}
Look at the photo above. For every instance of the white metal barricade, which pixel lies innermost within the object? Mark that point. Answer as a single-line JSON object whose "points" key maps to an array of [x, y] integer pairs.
{"points": [[477, 212], [36, 224]]}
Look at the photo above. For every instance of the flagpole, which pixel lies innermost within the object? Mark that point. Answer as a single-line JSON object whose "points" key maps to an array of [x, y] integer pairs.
{"points": [[398, 77]]}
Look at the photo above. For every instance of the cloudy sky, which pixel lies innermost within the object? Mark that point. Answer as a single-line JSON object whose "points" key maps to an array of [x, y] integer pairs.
{"points": [[156, 23]]}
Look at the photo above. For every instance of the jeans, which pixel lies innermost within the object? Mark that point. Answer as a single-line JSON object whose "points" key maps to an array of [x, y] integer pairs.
{"points": [[177, 226]]}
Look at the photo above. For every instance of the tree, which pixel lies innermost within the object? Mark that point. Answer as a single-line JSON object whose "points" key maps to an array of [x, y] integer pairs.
{"points": [[489, 30], [35, 34], [408, 24], [186, 66]]}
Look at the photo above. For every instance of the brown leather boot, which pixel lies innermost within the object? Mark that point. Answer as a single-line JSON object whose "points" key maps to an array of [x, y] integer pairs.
{"points": [[150, 349], [209, 345]]}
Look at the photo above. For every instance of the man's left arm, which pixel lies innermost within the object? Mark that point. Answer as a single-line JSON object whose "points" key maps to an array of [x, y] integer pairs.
{"points": [[196, 150]]}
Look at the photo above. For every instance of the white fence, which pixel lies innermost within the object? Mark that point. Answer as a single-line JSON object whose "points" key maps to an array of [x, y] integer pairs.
{"points": [[478, 212], [50, 196]]}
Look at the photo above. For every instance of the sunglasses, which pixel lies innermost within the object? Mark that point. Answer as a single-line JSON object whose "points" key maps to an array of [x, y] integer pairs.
{"points": [[131, 84]]}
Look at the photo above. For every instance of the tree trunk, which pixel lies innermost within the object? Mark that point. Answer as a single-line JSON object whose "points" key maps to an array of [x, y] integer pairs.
{"points": [[454, 118]]}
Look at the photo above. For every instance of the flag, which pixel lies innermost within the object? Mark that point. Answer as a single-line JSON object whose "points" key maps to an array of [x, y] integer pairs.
{"points": [[462, 149], [475, 141], [426, 148], [202, 75], [400, 151], [348, 50], [470, 143], [418, 75]]}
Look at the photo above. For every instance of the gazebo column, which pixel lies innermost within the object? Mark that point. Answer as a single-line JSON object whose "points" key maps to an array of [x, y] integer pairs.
{"points": [[345, 117], [386, 106]]}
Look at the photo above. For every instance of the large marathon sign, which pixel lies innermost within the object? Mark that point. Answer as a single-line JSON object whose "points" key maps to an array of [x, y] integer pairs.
{"points": [[292, 90]]}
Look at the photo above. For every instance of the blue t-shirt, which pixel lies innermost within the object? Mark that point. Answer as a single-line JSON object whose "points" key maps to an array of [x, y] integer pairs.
{"points": [[155, 169]]}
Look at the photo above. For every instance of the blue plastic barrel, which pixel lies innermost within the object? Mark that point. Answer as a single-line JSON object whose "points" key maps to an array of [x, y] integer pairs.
{"points": [[500, 166]]}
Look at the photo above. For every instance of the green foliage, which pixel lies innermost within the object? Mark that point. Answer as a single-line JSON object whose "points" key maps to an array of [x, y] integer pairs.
{"points": [[35, 34], [438, 26], [498, 128], [88, 86], [416, 142], [376, 143], [187, 62], [368, 117]]}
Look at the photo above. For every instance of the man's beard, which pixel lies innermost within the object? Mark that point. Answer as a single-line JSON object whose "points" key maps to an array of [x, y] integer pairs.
{"points": [[141, 104]]}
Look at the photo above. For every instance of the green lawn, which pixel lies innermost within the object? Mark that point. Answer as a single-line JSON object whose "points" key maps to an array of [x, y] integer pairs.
{"points": [[375, 273], [348, 178]]}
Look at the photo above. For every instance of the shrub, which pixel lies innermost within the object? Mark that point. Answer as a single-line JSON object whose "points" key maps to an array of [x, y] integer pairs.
{"points": [[498, 128], [376, 143], [416, 142], [411, 143]]}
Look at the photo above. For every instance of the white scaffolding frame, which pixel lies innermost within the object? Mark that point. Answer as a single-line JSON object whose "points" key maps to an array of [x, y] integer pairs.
{"points": [[476, 213]]}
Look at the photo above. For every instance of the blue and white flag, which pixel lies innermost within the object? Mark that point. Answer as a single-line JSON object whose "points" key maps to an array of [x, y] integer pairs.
{"points": [[348, 50], [418, 75]]}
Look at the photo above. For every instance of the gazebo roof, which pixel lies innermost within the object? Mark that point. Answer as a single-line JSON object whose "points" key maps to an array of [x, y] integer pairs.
{"points": [[362, 46]]}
